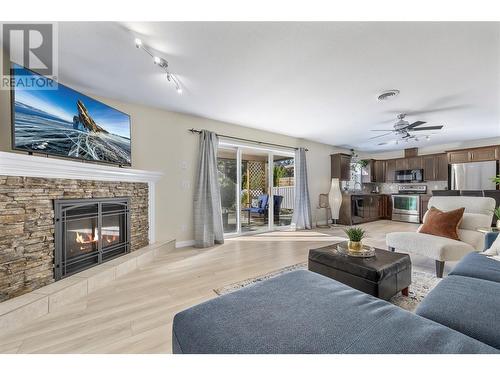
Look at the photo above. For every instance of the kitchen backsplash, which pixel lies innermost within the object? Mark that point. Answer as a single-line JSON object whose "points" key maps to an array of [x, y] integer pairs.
{"points": [[391, 188]]}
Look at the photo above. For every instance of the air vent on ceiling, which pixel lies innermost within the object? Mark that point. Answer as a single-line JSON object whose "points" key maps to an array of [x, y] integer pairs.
{"points": [[386, 95]]}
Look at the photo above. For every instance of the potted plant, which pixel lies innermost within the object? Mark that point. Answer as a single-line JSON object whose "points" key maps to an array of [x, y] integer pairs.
{"points": [[355, 235], [496, 180], [496, 212]]}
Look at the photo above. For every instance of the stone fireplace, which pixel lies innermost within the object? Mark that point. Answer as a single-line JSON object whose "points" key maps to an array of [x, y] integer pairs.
{"points": [[89, 232], [106, 211]]}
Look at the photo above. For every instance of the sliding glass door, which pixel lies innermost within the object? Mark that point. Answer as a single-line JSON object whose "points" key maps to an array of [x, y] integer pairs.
{"points": [[283, 189], [227, 166], [257, 188]]}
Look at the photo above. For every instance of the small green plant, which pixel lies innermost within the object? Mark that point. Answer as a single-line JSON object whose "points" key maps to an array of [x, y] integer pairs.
{"points": [[496, 180], [355, 234], [496, 212]]}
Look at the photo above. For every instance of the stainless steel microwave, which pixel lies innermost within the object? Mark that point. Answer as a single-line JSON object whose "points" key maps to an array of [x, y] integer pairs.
{"points": [[410, 175]]}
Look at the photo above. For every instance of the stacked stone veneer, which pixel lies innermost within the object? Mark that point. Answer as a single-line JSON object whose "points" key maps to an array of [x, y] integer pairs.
{"points": [[27, 225]]}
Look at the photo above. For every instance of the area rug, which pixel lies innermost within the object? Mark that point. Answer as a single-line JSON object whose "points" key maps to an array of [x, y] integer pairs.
{"points": [[421, 284]]}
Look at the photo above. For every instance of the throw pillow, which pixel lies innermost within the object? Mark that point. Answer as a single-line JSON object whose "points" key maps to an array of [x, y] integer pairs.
{"points": [[441, 223]]}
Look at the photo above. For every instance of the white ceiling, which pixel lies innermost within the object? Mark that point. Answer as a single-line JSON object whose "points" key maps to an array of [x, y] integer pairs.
{"points": [[317, 81]]}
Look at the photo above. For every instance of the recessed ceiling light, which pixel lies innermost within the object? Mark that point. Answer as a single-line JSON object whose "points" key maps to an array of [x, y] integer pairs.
{"points": [[386, 95]]}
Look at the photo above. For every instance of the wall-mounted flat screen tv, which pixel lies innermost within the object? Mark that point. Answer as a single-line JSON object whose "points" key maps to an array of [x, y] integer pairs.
{"points": [[64, 122]]}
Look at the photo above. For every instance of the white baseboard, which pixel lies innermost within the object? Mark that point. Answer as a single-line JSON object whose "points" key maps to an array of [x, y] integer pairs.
{"points": [[179, 244]]}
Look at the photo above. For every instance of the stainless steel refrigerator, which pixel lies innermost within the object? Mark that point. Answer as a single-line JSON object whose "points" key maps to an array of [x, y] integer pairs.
{"points": [[473, 176]]}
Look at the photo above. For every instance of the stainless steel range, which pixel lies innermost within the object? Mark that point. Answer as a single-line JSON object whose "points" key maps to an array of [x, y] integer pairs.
{"points": [[406, 204]]}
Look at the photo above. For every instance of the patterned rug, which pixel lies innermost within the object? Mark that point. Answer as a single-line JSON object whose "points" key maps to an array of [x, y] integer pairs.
{"points": [[422, 283]]}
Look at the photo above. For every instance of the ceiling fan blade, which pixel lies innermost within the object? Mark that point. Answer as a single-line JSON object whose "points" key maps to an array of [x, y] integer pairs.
{"points": [[415, 124], [381, 135], [428, 128]]}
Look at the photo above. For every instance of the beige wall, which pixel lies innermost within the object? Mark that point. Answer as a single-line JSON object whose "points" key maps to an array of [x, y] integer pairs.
{"points": [[161, 142]]}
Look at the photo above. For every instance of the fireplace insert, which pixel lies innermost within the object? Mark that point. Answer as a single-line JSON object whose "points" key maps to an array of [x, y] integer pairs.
{"points": [[89, 232]]}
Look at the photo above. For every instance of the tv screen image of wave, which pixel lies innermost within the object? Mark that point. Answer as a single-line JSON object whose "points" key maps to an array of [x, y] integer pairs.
{"points": [[64, 122]]}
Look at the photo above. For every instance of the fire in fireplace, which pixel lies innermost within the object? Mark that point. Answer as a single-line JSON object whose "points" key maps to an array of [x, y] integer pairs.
{"points": [[90, 232]]}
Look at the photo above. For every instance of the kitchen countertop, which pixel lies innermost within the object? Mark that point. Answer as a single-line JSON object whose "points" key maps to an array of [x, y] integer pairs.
{"points": [[361, 194]]}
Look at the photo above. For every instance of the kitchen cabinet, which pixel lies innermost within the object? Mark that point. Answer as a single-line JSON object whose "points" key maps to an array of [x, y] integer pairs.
{"points": [[483, 154], [341, 166], [459, 157], [378, 172], [415, 162], [401, 164], [474, 154], [429, 165], [365, 208], [390, 170], [441, 166], [367, 172]]}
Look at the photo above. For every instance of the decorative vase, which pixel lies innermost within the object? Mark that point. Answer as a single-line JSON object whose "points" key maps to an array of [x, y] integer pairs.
{"points": [[498, 224], [355, 245], [335, 199]]}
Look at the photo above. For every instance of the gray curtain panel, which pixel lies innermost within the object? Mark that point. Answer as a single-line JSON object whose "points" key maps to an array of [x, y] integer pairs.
{"points": [[208, 228], [302, 210]]}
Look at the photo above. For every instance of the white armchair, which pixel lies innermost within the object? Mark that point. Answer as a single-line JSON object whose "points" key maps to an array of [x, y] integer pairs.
{"points": [[478, 213]]}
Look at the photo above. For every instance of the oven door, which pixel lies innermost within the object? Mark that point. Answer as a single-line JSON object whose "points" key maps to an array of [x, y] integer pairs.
{"points": [[406, 204]]}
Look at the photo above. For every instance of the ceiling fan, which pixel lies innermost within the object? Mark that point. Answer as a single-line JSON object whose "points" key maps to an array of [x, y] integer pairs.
{"points": [[404, 130]]}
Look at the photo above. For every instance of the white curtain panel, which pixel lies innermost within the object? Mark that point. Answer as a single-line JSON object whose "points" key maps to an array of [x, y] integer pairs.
{"points": [[208, 228], [301, 218]]}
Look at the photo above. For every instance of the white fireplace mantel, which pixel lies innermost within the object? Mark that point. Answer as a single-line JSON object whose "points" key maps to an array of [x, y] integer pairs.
{"points": [[14, 164]]}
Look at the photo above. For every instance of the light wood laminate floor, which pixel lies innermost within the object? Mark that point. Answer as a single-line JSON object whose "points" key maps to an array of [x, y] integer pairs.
{"points": [[134, 314]]}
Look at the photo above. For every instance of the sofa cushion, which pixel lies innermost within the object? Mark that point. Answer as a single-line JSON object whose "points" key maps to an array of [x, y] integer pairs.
{"points": [[435, 247], [467, 305], [478, 266], [472, 205], [303, 312], [442, 223]]}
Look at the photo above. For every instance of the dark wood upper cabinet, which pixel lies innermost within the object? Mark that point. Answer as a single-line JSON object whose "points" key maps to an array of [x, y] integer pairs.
{"points": [[390, 170], [441, 165], [429, 165], [367, 172], [474, 154], [341, 166], [459, 157], [401, 164], [415, 162], [378, 172], [483, 154]]}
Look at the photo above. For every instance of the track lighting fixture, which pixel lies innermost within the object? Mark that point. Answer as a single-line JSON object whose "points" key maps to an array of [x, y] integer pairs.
{"points": [[162, 63]]}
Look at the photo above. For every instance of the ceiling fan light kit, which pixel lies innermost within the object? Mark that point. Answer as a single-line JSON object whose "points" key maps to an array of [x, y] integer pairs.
{"points": [[403, 130]]}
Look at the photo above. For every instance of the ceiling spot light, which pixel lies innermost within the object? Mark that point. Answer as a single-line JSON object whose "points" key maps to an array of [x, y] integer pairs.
{"points": [[387, 95], [427, 137], [162, 63]]}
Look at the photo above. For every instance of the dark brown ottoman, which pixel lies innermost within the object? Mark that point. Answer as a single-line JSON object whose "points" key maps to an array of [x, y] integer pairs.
{"points": [[382, 276]]}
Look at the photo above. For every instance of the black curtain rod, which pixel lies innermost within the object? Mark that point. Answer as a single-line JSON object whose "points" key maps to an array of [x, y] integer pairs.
{"points": [[248, 140]]}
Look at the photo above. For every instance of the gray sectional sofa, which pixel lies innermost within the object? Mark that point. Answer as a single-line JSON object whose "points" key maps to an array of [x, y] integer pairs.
{"points": [[303, 312]]}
